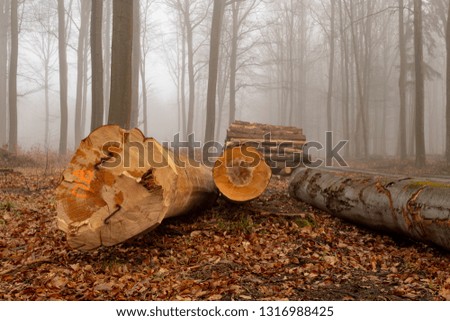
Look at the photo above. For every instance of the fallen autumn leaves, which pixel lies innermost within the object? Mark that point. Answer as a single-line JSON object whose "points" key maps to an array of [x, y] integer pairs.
{"points": [[273, 248]]}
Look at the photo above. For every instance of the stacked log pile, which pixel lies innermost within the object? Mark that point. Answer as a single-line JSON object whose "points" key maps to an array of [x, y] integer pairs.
{"points": [[281, 146]]}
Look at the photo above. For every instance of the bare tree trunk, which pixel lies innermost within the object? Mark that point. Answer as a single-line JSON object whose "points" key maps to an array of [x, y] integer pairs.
{"points": [[191, 75], [448, 88], [233, 60], [46, 101], [107, 57], [345, 83], [416, 208], [402, 81], [218, 11], [420, 86], [121, 59], [331, 66], [4, 27], [84, 24], [62, 77], [97, 64], [182, 89], [144, 95], [136, 62], [12, 93]]}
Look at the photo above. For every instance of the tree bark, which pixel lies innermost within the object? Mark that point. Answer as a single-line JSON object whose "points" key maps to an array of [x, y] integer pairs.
{"points": [[216, 28], [120, 184], [107, 57], [402, 81], [420, 86], [190, 63], [12, 87], [97, 64], [84, 25], [62, 78], [4, 27], [331, 66], [448, 89], [136, 62], [414, 207], [241, 174], [233, 60], [121, 67]]}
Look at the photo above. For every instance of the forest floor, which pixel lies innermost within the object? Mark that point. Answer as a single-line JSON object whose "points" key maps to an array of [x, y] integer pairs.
{"points": [[273, 248]]}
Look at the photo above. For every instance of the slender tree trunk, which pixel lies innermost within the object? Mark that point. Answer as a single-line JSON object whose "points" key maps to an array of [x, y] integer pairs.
{"points": [[107, 57], [345, 77], [144, 95], [62, 77], [4, 27], [420, 86], [191, 75], [183, 84], [233, 61], [402, 81], [47, 102], [84, 96], [218, 11], [14, 55], [97, 64], [80, 70], [331, 66], [361, 119], [448, 88], [121, 58], [136, 62]]}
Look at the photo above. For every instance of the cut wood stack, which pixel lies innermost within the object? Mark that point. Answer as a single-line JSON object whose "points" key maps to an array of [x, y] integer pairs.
{"points": [[281, 146], [120, 184]]}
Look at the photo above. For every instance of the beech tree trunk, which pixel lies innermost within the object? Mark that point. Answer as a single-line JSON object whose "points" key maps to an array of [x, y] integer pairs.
{"points": [[12, 87], [62, 78], [97, 64], [120, 184], [241, 174], [121, 64], [4, 28], [414, 207], [447, 152]]}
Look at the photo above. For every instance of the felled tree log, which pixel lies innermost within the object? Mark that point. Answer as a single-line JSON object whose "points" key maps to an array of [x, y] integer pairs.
{"points": [[241, 174], [120, 184], [416, 208]]}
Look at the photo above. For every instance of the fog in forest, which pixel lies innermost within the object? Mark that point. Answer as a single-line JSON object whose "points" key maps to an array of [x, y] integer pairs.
{"points": [[353, 67]]}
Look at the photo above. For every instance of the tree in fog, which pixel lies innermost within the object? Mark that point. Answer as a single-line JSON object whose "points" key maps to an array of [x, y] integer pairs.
{"points": [[81, 85], [420, 87], [62, 77], [4, 27], [107, 56], [42, 43], [97, 63], [121, 63], [12, 87], [402, 80], [448, 88], [216, 28], [136, 63]]}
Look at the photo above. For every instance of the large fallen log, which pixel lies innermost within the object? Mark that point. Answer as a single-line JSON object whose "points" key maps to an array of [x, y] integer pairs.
{"points": [[417, 208], [241, 174], [120, 184]]}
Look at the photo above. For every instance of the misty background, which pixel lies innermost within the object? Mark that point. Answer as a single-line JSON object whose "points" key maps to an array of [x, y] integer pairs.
{"points": [[321, 65]]}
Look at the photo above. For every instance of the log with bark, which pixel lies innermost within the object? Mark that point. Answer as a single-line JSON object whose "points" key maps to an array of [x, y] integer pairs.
{"points": [[241, 174], [281, 146], [417, 208], [120, 184]]}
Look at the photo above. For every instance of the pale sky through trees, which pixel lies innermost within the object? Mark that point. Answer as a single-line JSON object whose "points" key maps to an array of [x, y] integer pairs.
{"points": [[282, 73]]}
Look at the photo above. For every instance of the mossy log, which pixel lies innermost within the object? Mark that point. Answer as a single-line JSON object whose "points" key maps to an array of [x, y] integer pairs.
{"points": [[120, 184], [417, 208]]}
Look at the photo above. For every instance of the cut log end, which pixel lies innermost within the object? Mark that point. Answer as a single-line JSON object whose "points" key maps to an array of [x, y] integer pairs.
{"points": [[241, 174], [120, 184]]}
